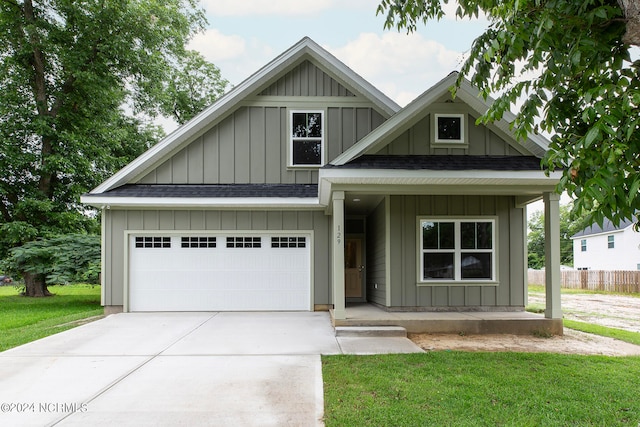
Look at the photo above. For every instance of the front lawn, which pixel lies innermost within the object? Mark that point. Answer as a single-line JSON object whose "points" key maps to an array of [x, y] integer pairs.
{"points": [[480, 389], [23, 319]]}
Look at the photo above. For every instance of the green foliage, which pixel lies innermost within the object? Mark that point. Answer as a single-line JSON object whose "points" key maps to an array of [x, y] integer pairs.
{"points": [[567, 61], [535, 239], [78, 82], [63, 259]]}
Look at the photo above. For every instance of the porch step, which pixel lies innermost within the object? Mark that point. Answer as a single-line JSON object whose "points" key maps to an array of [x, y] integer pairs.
{"points": [[371, 331]]}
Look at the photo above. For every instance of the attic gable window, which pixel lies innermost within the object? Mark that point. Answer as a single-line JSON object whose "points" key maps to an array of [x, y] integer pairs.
{"points": [[449, 128], [307, 138]]}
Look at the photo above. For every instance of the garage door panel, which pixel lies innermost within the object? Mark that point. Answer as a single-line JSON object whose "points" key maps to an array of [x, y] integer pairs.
{"points": [[188, 277]]}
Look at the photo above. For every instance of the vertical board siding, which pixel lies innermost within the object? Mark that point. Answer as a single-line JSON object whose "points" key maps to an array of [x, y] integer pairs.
{"points": [[251, 146], [417, 141], [119, 221], [306, 80], [376, 255], [405, 210]]}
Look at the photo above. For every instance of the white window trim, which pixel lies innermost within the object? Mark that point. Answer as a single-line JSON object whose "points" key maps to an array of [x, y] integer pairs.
{"points": [[290, 138], [611, 241], [463, 129], [457, 280]]}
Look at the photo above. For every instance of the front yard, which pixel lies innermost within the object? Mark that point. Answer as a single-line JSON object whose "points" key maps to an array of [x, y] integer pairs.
{"points": [[447, 388], [23, 320]]}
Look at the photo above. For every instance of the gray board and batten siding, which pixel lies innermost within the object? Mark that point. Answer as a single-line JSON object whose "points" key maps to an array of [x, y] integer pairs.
{"points": [[185, 222], [250, 145], [396, 219], [482, 140]]}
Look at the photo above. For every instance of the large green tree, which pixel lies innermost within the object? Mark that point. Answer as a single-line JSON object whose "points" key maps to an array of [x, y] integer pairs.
{"points": [[79, 82], [569, 63]]}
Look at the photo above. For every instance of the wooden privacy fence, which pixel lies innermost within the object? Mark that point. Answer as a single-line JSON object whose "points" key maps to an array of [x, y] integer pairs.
{"points": [[593, 280]]}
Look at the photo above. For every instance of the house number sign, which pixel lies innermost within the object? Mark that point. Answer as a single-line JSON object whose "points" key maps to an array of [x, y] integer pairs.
{"points": [[339, 234]]}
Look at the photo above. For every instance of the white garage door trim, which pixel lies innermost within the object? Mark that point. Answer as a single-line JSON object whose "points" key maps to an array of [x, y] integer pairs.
{"points": [[296, 300]]}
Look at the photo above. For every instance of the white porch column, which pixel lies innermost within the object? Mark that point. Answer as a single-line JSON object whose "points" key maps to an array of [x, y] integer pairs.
{"points": [[338, 255], [552, 255]]}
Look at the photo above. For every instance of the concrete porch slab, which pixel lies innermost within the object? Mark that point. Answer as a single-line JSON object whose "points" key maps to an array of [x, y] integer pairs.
{"points": [[506, 322]]}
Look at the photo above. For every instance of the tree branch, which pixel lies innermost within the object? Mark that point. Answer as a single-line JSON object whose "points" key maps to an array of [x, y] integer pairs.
{"points": [[631, 9]]}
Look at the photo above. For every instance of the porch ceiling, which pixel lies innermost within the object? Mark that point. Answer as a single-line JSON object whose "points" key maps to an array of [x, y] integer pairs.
{"points": [[527, 185]]}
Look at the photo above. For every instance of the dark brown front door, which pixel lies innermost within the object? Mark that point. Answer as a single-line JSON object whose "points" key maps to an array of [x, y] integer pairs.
{"points": [[353, 268]]}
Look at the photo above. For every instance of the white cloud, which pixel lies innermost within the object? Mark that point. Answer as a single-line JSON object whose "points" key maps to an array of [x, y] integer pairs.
{"points": [[236, 57], [400, 65], [216, 46]]}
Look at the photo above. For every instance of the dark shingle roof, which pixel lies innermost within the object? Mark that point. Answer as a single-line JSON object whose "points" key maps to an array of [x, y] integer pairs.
{"points": [[607, 227], [214, 190], [444, 162]]}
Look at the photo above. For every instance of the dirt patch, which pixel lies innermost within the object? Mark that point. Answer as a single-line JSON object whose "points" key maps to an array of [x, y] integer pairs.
{"points": [[607, 310], [614, 311]]}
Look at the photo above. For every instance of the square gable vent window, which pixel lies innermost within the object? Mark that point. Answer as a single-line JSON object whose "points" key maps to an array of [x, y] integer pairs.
{"points": [[449, 128], [307, 138]]}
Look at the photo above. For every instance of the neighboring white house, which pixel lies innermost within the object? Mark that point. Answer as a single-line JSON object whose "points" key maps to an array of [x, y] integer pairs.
{"points": [[607, 247]]}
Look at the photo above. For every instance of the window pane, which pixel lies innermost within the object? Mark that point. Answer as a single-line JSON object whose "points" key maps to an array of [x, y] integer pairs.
{"points": [[429, 235], [314, 125], [449, 128], [475, 265], [299, 125], [447, 235], [468, 231], [437, 265], [484, 236], [307, 152]]}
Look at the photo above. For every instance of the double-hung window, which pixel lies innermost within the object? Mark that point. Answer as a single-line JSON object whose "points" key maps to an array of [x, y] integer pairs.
{"points": [[307, 138], [457, 250], [611, 242]]}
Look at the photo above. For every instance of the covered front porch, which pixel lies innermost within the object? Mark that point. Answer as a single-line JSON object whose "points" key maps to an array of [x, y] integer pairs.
{"points": [[469, 322]]}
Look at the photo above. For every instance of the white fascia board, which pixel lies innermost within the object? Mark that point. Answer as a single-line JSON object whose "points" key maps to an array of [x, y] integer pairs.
{"points": [[301, 50], [390, 129], [536, 144], [467, 181], [353, 80], [194, 126], [202, 202], [393, 127]]}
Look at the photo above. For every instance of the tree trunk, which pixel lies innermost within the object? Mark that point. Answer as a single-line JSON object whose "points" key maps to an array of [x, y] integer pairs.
{"points": [[631, 10], [35, 285]]}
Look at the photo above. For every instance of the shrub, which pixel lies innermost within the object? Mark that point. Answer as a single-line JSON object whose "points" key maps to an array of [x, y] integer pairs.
{"points": [[62, 259]]}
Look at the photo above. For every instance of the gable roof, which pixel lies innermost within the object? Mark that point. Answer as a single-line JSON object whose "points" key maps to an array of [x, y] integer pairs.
{"points": [[305, 49], [409, 115], [607, 227]]}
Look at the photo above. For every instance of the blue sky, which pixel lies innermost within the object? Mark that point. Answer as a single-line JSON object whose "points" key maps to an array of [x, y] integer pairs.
{"points": [[244, 35]]}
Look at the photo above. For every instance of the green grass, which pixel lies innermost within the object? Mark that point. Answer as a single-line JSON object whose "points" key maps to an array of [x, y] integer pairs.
{"points": [[23, 319], [619, 334], [481, 389], [539, 289]]}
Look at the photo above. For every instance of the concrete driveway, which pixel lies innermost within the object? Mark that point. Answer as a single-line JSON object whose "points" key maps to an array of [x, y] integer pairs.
{"points": [[167, 369]]}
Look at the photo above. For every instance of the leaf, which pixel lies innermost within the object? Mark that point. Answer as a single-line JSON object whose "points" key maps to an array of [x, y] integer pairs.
{"points": [[591, 136]]}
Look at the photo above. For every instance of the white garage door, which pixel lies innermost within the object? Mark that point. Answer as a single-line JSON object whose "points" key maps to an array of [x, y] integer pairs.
{"points": [[222, 272]]}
